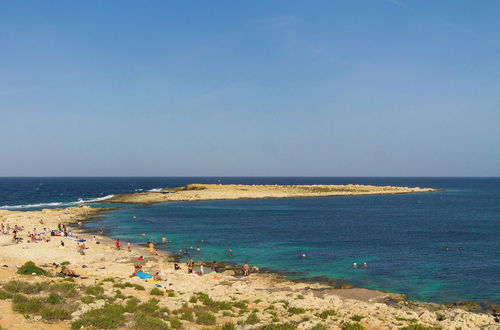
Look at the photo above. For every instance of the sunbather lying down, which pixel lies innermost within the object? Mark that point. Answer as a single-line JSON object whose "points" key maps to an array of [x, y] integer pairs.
{"points": [[68, 272]]}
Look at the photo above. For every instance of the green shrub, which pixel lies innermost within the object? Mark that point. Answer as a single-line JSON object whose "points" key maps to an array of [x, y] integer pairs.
{"points": [[228, 326], [319, 326], [77, 324], [120, 295], [352, 326], [31, 306], [417, 326], [329, 312], [24, 287], [19, 298], [138, 287], [279, 326], [65, 263], [65, 289], [94, 290], [213, 305], [156, 292], [252, 319], [175, 323], [357, 317], [205, 318], [54, 299], [55, 313], [150, 308], [296, 310], [88, 299], [5, 295], [108, 317], [30, 268], [240, 304], [109, 279], [144, 322], [131, 304], [187, 315]]}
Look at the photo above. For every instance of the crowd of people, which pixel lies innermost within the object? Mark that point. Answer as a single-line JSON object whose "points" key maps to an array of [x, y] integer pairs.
{"points": [[45, 235]]}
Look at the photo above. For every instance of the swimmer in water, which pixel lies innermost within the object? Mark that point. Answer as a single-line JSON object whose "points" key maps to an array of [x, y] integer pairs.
{"points": [[230, 252], [304, 255], [164, 240], [354, 265], [364, 265], [143, 234]]}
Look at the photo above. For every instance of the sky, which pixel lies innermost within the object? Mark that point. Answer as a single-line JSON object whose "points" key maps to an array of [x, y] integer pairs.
{"points": [[250, 88]]}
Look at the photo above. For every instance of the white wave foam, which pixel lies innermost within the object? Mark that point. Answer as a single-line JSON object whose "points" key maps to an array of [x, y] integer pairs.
{"points": [[155, 190], [79, 202]]}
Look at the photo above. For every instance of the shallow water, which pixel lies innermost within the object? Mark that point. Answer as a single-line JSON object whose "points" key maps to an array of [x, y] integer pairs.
{"points": [[402, 238]]}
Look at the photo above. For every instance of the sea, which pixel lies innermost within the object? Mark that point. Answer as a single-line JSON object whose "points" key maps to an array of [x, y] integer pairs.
{"points": [[438, 247]]}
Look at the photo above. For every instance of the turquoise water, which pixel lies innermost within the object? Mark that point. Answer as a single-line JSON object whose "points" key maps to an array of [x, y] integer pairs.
{"points": [[401, 237]]}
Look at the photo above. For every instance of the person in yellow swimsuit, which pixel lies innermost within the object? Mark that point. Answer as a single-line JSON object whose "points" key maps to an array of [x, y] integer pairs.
{"points": [[151, 248]]}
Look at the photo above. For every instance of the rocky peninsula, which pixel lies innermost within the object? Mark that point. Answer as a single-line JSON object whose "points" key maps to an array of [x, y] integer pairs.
{"points": [[199, 192]]}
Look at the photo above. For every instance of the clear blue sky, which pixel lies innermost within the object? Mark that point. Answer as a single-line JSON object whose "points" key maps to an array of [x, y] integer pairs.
{"points": [[314, 88]]}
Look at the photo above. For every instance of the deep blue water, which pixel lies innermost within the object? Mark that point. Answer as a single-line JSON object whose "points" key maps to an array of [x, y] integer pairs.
{"points": [[401, 237]]}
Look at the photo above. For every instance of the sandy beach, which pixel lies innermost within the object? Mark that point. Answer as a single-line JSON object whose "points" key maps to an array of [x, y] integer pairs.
{"points": [[260, 300]]}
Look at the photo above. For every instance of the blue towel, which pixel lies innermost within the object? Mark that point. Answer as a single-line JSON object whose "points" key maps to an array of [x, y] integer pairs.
{"points": [[143, 276]]}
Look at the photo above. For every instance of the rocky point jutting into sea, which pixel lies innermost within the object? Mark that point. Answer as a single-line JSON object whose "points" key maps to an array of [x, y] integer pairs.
{"points": [[199, 192]]}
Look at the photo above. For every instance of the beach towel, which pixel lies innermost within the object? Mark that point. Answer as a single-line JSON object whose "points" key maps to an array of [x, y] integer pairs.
{"points": [[143, 275]]}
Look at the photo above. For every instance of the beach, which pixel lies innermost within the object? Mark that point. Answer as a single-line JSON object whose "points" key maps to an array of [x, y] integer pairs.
{"points": [[252, 302]]}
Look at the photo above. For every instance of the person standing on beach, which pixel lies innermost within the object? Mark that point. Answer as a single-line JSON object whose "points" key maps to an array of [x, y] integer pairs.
{"points": [[117, 244], [129, 247], [190, 264], [246, 269], [151, 248], [215, 266]]}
